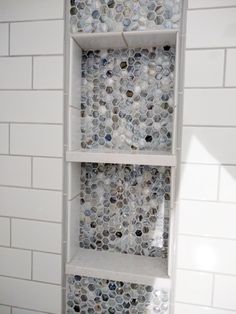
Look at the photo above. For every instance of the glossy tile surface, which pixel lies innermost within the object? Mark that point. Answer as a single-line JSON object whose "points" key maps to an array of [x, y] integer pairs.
{"points": [[91, 295], [123, 208], [129, 15], [127, 99]]}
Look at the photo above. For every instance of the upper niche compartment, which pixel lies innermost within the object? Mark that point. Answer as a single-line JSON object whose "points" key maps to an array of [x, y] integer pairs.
{"points": [[92, 16], [127, 99]]}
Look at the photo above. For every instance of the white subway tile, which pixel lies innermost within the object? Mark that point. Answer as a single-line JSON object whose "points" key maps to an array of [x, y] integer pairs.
{"points": [[210, 33], [4, 28], [15, 73], [230, 76], [208, 145], [194, 4], [204, 68], [5, 309], [36, 38], [193, 287], [73, 179], [224, 292], [31, 204], [38, 140], [4, 231], [204, 254], [195, 218], [31, 106], [4, 138], [21, 311], [47, 173], [73, 222], [14, 10], [193, 309], [75, 129], [35, 235], [15, 171], [209, 107], [228, 183], [31, 295], [15, 263], [48, 72], [199, 182], [47, 267]]}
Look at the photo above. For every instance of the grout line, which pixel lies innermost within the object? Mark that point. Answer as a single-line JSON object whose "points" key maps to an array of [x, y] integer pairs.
{"points": [[207, 164], [28, 187], [218, 185], [206, 307], [224, 69], [10, 231], [36, 20], [124, 39], [9, 39], [29, 250], [32, 167], [206, 200], [37, 55], [32, 73], [206, 237], [29, 89], [209, 48], [210, 87], [32, 263], [73, 198], [212, 8], [26, 279], [209, 126], [32, 123], [213, 290], [34, 220], [9, 139], [38, 156], [207, 272], [21, 308], [74, 107]]}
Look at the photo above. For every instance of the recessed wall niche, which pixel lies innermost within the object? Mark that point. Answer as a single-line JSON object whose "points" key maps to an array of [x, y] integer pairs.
{"points": [[124, 208], [119, 15], [94, 295], [127, 98], [122, 116]]}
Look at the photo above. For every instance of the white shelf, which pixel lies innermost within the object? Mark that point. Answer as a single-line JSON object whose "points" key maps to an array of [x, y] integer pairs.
{"points": [[116, 157], [125, 39], [120, 267]]}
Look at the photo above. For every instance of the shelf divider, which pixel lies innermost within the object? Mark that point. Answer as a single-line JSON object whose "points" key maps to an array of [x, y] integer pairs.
{"points": [[116, 157], [154, 38], [120, 267]]}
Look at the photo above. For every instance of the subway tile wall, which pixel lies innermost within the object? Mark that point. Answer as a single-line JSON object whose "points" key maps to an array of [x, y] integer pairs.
{"points": [[206, 246], [31, 150], [31, 147]]}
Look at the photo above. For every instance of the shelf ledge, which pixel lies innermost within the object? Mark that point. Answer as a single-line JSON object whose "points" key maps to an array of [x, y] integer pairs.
{"points": [[114, 157], [134, 39], [120, 267]]}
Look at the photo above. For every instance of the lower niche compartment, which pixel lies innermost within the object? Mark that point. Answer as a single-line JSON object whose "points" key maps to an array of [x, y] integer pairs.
{"points": [[87, 295], [124, 208]]}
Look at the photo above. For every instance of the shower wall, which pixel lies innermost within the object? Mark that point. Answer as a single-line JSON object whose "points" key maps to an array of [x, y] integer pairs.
{"points": [[31, 150], [206, 248]]}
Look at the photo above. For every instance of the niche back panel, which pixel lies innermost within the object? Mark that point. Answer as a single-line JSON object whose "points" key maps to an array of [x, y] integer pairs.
{"points": [[88, 295], [127, 99], [118, 15], [123, 208]]}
